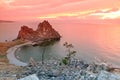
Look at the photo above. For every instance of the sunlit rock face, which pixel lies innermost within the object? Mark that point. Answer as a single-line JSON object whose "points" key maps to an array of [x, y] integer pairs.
{"points": [[27, 33], [46, 31], [43, 32]]}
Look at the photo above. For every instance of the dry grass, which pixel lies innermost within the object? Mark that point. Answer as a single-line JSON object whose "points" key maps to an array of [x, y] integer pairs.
{"points": [[6, 45]]}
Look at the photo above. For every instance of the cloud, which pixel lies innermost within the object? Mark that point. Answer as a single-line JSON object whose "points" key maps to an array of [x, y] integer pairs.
{"points": [[77, 14], [108, 13], [39, 3], [25, 8], [81, 9], [113, 13]]}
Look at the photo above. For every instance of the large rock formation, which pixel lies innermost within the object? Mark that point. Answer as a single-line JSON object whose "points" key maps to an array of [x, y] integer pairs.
{"points": [[43, 32]]}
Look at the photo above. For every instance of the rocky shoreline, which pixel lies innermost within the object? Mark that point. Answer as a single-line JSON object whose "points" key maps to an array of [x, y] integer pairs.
{"points": [[77, 70], [52, 70]]}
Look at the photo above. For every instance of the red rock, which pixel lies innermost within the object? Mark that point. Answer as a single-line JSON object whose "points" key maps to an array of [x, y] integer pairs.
{"points": [[44, 31]]}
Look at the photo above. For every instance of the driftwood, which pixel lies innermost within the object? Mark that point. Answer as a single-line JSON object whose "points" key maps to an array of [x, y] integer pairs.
{"points": [[112, 69]]}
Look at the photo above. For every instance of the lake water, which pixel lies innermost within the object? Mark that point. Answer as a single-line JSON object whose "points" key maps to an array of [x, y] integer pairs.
{"points": [[90, 41]]}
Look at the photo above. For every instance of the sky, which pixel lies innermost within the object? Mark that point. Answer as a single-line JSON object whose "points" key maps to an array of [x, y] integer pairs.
{"points": [[101, 10]]}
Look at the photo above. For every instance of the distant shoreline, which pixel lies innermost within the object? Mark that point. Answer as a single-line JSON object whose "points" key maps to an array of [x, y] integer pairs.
{"points": [[6, 21]]}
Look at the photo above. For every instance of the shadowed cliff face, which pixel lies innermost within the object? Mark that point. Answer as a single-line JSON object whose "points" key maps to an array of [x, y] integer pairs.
{"points": [[43, 32]]}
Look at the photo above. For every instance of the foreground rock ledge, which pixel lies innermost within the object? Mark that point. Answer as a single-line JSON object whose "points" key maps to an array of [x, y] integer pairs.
{"points": [[77, 70], [43, 32]]}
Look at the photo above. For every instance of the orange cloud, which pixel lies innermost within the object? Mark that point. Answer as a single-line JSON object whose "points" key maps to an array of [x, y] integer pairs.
{"points": [[72, 14], [87, 9], [107, 13]]}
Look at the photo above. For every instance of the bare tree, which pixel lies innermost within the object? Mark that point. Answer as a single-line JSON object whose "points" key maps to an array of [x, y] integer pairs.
{"points": [[44, 45]]}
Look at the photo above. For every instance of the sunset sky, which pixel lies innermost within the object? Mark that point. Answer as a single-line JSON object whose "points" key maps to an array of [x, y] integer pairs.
{"points": [[60, 9]]}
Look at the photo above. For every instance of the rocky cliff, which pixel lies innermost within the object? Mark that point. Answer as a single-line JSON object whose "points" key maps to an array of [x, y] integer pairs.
{"points": [[43, 32]]}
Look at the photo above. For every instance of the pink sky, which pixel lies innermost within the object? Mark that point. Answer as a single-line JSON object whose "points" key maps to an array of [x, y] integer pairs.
{"points": [[60, 9]]}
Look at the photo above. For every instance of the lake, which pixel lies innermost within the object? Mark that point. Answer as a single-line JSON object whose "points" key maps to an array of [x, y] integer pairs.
{"points": [[91, 41]]}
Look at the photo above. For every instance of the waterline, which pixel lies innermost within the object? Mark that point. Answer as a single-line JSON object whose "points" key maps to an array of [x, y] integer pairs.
{"points": [[11, 54]]}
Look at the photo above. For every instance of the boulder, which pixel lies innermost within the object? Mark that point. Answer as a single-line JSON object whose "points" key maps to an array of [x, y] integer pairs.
{"points": [[104, 75], [31, 77]]}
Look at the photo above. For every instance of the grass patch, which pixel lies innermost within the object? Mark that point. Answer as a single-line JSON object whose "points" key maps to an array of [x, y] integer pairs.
{"points": [[3, 58]]}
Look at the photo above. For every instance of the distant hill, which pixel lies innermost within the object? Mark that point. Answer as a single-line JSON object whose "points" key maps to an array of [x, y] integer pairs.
{"points": [[5, 21]]}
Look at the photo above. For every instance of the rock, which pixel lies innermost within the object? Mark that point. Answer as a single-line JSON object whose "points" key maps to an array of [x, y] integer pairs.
{"points": [[53, 73], [31, 77], [104, 75], [96, 68], [27, 33], [43, 32], [46, 31]]}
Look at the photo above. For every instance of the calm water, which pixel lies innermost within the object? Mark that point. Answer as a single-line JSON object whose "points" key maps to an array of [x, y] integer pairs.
{"points": [[90, 40]]}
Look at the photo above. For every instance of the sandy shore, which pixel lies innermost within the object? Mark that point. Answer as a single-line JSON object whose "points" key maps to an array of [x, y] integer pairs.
{"points": [[11, 54]]}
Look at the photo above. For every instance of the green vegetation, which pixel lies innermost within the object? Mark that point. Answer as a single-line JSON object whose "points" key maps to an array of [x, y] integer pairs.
{"points": [[70, 53], [3, 58], [65, 61]]}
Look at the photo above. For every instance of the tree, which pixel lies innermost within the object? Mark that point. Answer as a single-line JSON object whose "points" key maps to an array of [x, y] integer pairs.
{"points": [[44, 45]]}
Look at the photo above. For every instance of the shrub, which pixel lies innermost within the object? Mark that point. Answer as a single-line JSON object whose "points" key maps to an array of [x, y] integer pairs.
{"points": [[70, 53]]}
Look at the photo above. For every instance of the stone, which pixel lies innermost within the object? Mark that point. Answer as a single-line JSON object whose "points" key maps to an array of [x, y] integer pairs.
{"points": [[54, 73], [26, 33], [104, 75], [49, 71], [31, 77], [43, 32]]}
